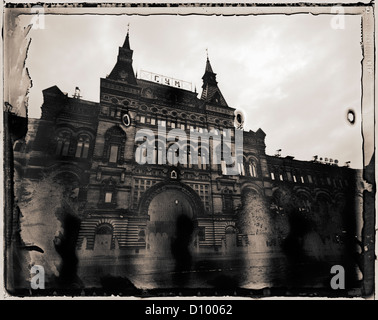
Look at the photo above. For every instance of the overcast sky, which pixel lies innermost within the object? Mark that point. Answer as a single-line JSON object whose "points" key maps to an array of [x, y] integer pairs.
{"points": [[293, 76]]}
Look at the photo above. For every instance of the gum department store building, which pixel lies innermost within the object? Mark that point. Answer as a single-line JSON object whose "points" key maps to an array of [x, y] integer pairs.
{"points": [[90, 148]]}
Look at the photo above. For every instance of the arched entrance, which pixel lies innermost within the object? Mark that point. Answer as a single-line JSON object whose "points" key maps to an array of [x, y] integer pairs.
{"points": [[231, 237], [103, 238], [171, 216]]}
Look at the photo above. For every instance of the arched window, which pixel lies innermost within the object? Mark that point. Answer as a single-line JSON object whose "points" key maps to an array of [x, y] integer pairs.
{"points": [[173, 154], [63, 143], [104, 237], [141, 153], [252, 168], [226, 155], [185, 156], [278, 202], [303, 203], [202, 158], [228, 204], [115, 139], [224, 150], [189, 156], [240, 163], [160, 153], [170, 156], [230, 237], [82, 147]]}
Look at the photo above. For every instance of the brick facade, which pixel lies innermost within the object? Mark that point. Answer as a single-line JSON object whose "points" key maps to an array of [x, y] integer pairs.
{"points": [[90, 149]]}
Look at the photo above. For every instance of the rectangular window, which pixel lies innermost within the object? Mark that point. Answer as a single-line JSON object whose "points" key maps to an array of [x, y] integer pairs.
{"points": [[302, 179], [160, 156], [294, 178], [281, 177], [142, 119], [224, 167], [289, 177], [309, 178], [59, 147], [153, 121], [85, 150], [113, 154], [65, 148], [272, 176], [79, 149], [161, 123], [182, 126], [108, 197], [241, 168], [173, 125]]}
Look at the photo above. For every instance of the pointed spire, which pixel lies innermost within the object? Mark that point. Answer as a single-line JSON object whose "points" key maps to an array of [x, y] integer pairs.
{"points": [[123, 70], [209, 77], [210, 89], [208, 65], [126, 44]]}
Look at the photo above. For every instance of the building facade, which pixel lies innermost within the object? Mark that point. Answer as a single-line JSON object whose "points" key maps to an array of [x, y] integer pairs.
{"points": [[127, 205]]}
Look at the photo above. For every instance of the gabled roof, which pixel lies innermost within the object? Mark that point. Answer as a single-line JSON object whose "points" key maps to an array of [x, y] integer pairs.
{"points": [[54, 90]]}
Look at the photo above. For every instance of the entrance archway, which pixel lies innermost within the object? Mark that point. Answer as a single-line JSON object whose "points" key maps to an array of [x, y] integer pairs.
{"points": [[103, 238], [230, 237], [171, 216]]}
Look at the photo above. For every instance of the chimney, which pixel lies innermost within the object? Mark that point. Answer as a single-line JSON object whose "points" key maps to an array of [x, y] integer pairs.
{"points": [[77, 93]]}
